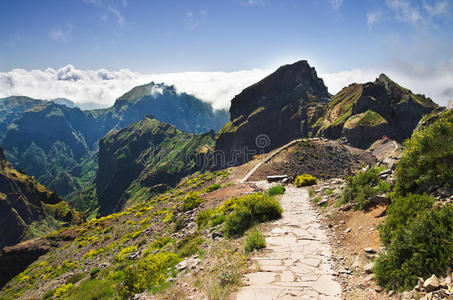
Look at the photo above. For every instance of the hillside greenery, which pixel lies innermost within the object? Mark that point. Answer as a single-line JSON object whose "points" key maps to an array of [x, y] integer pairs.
{"points": [[362, 186], [428, 157], [418, 232]]}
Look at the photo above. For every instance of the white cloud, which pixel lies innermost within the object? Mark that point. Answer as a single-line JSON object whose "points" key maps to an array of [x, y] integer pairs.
{"points": [[56, 34], [255, 3], [102, 87], [61, 34], [194, 20], [404, 11], [336, 4], [373, 17], [111, 8], [433, 81], [438, 8]]}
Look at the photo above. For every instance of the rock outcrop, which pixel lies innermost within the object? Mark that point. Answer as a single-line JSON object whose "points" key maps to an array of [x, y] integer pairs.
{"points": [[281, 107], [363, 113], [25, 203]]}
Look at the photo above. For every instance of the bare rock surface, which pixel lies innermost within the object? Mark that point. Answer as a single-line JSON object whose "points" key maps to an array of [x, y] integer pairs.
{"points": [[297, 263]]}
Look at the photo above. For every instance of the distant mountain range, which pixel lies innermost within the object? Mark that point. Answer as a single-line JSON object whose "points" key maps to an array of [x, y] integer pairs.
{"points": [[145, 136], [57, 142]]}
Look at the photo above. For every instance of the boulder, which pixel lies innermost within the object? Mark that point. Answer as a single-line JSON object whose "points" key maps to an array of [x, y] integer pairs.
{"points": [[431, 283]]}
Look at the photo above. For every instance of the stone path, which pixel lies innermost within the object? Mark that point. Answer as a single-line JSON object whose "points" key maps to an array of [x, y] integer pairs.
{"points": [[297, 264]]}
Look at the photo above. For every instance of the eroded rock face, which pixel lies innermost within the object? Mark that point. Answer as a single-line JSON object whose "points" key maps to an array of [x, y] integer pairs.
{"points": [[363, 113], [272, 112], [22, 202]]}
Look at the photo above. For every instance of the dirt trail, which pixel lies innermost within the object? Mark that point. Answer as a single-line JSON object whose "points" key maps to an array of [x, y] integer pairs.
{"points": [[270, 156], [297, 261]]}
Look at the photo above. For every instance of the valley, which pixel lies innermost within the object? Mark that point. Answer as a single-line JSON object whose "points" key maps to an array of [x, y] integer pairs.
{"points": [[162, 197]]}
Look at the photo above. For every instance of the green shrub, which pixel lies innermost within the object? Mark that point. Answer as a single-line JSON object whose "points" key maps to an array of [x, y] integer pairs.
{"points": [[212, 188], [401, 212], [75, 278], [238, 222], [190, 245], [191, 201], [255, 240], [428, 157], [276, 190], [179, 224], [94, 272], [305, 180], [148, 272], [204, 217], [252, 209], [62, 290], [217, 220], [362, 186], [419, 249]]}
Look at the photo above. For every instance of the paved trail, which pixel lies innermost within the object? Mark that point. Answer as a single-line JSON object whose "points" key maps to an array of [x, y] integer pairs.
{"points": [[298, 265]]}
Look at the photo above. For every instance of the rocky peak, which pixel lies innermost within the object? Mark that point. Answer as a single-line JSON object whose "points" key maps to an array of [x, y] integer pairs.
{"points": [[363, 113], [287, 84], [272, 112]]}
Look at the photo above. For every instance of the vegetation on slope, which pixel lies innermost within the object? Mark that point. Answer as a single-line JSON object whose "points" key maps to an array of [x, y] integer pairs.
{"points": [[143, 159], [121, 254], [428, 158], [364, 185], [418, 233], [28, 209]]}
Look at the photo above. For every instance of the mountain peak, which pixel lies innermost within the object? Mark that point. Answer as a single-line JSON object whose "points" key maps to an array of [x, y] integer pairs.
{"points": [[148, 89]]}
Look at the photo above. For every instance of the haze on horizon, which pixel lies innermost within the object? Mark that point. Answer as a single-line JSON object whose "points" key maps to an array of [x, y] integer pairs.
{"points": [[92, 51]]}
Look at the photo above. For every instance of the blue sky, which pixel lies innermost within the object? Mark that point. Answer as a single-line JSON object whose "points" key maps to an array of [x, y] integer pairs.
{"points": [[174, 36], [153, 36]]}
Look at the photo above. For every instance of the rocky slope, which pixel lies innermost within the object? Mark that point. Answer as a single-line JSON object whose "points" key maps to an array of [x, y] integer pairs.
{"points": [[145, 158], [363, 113], [27, 208], [57, 143], [281, 107]]}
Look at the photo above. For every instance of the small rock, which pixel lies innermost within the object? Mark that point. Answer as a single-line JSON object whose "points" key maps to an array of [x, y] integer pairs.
{"points": [[369, 250], [368, 268], [182, 265], [378, 199], [170, 279], [386, 172], [322, 202], [378, 289], [431, 283], [408, 295], [216, 234], [356, 262], [347, 230], [346, 207], [369, 278]]}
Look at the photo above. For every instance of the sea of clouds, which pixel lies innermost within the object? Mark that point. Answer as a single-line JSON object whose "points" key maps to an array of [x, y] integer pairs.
{"points": [[100, 88]]}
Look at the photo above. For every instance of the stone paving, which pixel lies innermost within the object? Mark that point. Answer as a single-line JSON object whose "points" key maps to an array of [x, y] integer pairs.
{"points": [[297, 263]]}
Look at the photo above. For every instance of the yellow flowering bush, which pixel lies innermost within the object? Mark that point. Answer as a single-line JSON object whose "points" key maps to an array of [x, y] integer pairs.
{"points": [[305, 180], [149, 272]]}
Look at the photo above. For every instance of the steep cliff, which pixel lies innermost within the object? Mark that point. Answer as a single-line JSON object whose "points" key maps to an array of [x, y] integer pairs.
{"points": [[27, 208], [283, 106]]}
